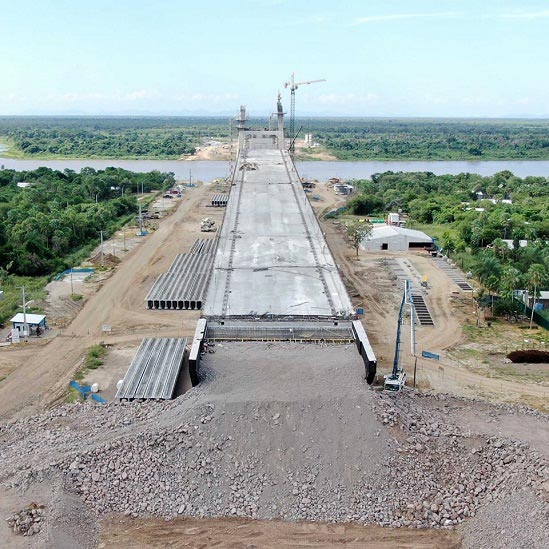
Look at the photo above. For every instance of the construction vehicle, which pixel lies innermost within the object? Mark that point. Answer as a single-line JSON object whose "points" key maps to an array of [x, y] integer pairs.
{"points": [[396, 380], [207, 225]]}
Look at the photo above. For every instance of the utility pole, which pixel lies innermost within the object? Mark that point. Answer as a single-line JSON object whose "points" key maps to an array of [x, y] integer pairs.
{"points": [[101, 250], [25, 325]]}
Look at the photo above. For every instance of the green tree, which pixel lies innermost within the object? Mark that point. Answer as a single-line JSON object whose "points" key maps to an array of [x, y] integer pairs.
{"points": [[357, 231], [511, 280]]}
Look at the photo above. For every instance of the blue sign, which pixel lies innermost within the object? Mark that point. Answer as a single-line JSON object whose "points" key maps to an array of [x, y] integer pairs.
{"points": [[427, 354]]}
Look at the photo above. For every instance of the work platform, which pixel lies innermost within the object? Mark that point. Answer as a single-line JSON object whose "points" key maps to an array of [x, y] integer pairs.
{"points": [[272, 259]]}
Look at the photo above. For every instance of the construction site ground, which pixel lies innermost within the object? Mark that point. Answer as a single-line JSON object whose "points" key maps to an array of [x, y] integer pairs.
{"points": [[472, 358], [221, 150], [286, 396], [114, 297]]}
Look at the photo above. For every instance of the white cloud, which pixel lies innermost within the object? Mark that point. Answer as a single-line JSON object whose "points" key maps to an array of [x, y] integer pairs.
{"points": [[521, 15], [401, 16]]}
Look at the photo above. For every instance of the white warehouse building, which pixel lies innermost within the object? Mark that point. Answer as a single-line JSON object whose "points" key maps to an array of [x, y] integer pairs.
{"points": [[397, 239]]}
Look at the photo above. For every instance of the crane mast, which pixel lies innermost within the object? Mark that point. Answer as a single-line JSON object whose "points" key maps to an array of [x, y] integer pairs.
{"points": [[293, 85]]}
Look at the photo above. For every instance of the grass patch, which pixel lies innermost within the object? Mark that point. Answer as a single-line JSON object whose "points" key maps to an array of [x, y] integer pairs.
{"points": [[77, 297], [92, 361], [514, 374], [73, 396], [466, 353], [94, 358]]}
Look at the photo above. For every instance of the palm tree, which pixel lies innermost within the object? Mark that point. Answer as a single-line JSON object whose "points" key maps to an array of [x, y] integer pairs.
{"points": [[485, 267], [511, 279], [536, 276], [500, 248]]}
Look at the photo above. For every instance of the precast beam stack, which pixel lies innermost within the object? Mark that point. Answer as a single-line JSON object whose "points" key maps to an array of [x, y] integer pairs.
{"points": [[184, 285], [220, 200], [154, 370]]}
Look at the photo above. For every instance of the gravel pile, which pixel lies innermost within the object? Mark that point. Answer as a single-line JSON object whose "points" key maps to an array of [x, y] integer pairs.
{"points": [[263, 442], [28, 521]]}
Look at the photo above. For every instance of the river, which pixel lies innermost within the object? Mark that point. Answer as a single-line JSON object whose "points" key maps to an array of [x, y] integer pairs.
{"points": [[207, 170]]}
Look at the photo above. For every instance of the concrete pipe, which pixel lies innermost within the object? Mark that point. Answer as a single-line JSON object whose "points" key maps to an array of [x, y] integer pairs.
{"points": [[199, 304], [162, 304], [150, 304], [193, 304], [180, 304], [156, 304], [187, 305]]}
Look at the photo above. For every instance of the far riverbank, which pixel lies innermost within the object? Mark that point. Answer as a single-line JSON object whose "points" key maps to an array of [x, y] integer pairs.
{"points": [[208, 170]]}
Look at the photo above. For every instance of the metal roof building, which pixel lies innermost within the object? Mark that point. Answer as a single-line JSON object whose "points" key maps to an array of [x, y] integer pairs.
{"points": [[392, 238], [32, 320]]}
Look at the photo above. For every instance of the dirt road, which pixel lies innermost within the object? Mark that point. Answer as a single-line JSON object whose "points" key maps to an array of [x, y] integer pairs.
{"points": [[236, 533], [40, 374]]}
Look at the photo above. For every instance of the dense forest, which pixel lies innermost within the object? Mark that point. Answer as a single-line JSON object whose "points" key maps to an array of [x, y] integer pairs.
{"points": [[424, 139], [45, 225], [346, 138], [473, 215], [83, 137]]}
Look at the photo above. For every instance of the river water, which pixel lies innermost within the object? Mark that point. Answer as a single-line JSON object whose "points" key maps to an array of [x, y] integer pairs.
{"points": [[207, 170]]}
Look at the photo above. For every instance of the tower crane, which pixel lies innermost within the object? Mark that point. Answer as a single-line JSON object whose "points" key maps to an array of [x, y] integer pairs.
{"points": [[293, 85]]}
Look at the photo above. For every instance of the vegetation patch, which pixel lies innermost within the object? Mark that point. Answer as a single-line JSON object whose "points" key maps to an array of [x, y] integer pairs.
{"points": [[92, 361]]}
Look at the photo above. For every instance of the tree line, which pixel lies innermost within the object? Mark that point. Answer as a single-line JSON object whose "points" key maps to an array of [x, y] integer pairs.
{"points": [[346, 138], [431, 139]]}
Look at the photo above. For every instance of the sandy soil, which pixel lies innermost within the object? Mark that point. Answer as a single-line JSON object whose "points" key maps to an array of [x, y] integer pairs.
{"points": [[245, 533], [222, 151], [119, 302], [215, 151], [308, 153]]}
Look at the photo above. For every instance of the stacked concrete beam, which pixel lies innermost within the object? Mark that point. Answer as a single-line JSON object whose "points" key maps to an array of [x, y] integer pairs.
{"points": [[184, 285], [154, 371], [220, 200]]}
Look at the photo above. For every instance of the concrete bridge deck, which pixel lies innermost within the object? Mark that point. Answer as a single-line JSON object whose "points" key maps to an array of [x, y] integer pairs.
{"points": [[272, 259]]}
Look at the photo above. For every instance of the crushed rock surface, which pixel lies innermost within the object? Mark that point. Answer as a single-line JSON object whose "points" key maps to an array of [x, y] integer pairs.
{"points": [[283, 431]]}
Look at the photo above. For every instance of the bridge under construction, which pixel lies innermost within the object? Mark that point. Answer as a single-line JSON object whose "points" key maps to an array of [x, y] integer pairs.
{"points": [[267, 276], [274, 277]]}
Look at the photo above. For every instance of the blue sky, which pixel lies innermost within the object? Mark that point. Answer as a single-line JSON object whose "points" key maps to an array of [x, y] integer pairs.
{"points": [[380, 58]]}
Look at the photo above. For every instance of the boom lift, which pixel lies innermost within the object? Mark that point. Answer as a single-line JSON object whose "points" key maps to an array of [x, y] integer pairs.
{"points": [[396, 380]]}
